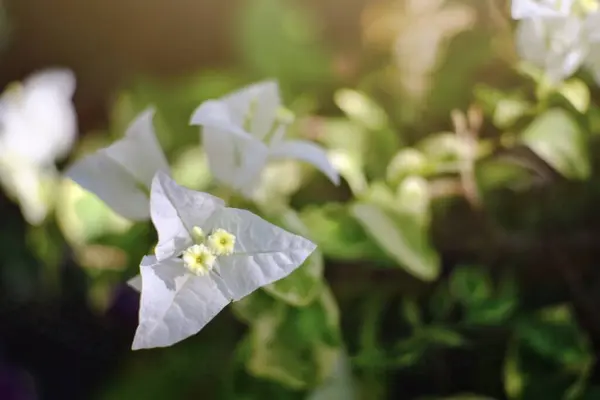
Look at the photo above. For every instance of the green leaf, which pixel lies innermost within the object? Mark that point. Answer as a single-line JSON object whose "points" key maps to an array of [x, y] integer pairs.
{"points": [[297, 347], [557, 139], [338, 235], [382, 142], [402, 237], [577, 93], [340, 385], [553, 333], [411, 312], [82, 216], [303, 285], [441, 303], [413, 197], [440, 336], [513, 376], [495, 174], [362, 109], [493, 311], [509, 110], [407, 162], [190, 169], [441, 147], [470, 285], [255, 306]]}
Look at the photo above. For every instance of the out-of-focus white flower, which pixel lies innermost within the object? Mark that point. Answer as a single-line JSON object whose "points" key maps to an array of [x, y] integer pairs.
{"points": [[244, 130], [38, 126], [187, 283], [521, 9], [121, 174], [557, 45]]}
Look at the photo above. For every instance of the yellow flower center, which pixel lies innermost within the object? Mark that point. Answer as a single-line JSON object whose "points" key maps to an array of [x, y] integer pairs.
{"points": [[198, 259], [221, 242]]}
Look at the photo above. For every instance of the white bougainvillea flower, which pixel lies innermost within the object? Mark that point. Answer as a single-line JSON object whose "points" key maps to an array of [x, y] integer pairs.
{"points": [[559, 46], [121, 174], [243, 131], [521, 9], [38, 126], [187, 282]]}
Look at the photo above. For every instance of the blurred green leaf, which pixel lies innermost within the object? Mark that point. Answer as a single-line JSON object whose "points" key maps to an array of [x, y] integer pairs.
{"points": [[493, 311], [412, 312], [557, 138], [513, 376], [509, 110], [441, 336], [441, 147], [577, 93], [297, 347], [441, 302], [301, 286], [500, 173], [554, 334], [82, 216], [361, 108], [402, 237], [340, 385], [190, 168], [413, 197], [338, 235], [407, 162], [470, 284], [382, 142], [256, 306]]}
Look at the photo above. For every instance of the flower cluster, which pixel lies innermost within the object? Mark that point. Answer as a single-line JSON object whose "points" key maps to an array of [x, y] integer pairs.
{"points": [[207, 254], [559, 36]]}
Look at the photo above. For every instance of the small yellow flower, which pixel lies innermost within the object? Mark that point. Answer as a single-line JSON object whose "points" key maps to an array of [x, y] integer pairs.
{"points": [[221, 242], [198, 235], [198, 259]]}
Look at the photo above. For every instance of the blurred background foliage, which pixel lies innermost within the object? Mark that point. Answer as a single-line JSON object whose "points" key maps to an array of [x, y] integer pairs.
{"points": [[457, 260]]}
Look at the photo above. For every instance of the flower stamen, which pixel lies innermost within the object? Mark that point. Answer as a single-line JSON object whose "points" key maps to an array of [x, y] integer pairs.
{"points": [[221, 242], [198, 259]]}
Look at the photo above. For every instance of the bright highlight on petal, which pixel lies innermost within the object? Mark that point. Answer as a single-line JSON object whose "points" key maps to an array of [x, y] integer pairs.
{"points": [[198, 259], [221, 242]]}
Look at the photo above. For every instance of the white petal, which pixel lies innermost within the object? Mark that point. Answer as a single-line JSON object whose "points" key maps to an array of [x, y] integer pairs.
{"points": [[308, 152], [102, 176], [540, 8], [175, 211], [556, 45], [254, 159], [60, 80], [262, 99], [264, 253], [136, 283], [138, 151], [220, 136], [39, 122], [220, 151], [216, 114], [174, 304]]}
